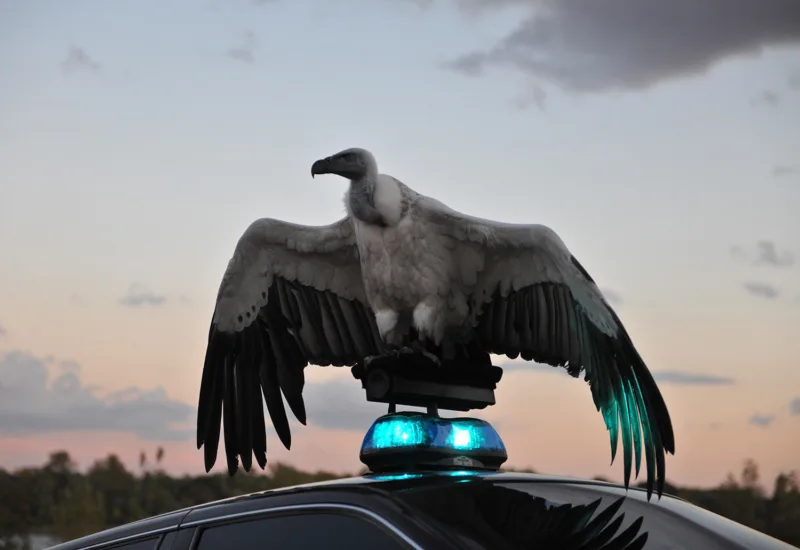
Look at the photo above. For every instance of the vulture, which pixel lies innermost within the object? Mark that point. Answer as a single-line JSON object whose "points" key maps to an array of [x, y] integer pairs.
{"points": [[403, 273]]}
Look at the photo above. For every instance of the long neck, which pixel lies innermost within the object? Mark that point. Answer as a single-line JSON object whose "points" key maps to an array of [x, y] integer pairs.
{"points": [[361, 201]]}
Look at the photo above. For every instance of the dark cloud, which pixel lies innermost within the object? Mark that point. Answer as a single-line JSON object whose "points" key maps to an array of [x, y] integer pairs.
{"points": [[340, 405], [781, 171], [36, 398], [662, 376], [45, 395], [246, 51], [691, 379], [762, 420], [794, 81], [766, 98], [794, 406], [761, 290], [139, 295], [535, 96], [77, 59], [768, 254], [604, 45], [612, 297], [764, 252]]}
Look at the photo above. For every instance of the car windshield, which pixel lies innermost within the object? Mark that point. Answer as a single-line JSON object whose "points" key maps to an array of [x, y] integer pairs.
{"points": [[545, 515]]}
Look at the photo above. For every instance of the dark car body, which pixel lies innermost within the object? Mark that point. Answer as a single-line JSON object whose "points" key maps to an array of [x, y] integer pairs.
{"points": [[418, 511]]}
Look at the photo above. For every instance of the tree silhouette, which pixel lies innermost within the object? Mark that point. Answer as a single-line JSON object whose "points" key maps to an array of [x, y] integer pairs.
{"points": [[58, 499]]}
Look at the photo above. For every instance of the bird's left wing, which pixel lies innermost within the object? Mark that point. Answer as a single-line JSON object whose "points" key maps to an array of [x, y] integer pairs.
{"points": [[530, 297], [291, 295]]}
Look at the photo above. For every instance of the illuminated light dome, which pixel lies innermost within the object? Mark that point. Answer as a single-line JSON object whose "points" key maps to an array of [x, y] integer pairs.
{"points": [[412, 440]]}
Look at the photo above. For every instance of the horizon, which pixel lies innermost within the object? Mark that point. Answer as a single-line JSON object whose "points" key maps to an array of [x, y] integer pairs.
{"points": [[137, 145]]}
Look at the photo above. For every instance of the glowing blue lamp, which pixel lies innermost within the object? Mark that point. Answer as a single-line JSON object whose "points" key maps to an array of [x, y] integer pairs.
{"points": [[413, 441]]}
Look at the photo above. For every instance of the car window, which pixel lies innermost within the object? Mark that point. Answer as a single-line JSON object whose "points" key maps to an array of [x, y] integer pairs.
{"points": [[146, 544], [167, 541], [305, 531], [671, 523]]}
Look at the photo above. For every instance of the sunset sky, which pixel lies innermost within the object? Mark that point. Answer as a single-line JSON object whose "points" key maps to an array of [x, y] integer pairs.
{"points": [[139, 139]]}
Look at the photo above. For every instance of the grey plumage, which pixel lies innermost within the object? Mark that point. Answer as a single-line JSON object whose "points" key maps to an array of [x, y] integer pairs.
{"points": [[402, 268]]}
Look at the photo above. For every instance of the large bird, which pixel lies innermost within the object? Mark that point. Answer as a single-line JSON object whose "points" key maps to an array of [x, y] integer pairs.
{"points": [[403, 273]]}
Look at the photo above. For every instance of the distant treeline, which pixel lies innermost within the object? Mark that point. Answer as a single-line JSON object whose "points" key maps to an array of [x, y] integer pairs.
{"points": [[62, 502]]}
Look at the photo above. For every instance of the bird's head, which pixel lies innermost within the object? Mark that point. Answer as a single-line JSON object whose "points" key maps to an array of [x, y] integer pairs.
{"points": [[353, 164]]}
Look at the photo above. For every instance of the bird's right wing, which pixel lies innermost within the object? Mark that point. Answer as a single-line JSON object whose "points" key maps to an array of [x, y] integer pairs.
{"points": [[291, 295], [530, 297]]}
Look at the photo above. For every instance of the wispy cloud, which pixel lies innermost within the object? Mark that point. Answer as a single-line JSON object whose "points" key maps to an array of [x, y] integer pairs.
{"points": [[762, 420], [420, 3], [794, 81], [761, 290], [3, 330], [785, 170], [245, 52], [794, 406], [139, 295], [764, 252], [604, 45], [31, 403], [535, 95], [677, 378], [766, 98], [77, 59], [691, 379]]}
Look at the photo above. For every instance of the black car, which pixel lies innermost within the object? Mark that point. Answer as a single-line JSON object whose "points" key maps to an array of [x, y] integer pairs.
{"points": [[468, 510], [435, 484]]}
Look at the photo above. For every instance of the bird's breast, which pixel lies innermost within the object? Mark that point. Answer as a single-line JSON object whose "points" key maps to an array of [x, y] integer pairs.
{"points": [[401, 265]]}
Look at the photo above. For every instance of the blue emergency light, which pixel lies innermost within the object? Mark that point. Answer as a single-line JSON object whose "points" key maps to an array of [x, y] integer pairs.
{"points": [[413, 441]]}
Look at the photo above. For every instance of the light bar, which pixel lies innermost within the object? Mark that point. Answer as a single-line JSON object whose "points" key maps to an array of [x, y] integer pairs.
{"points": [[412, 440]]}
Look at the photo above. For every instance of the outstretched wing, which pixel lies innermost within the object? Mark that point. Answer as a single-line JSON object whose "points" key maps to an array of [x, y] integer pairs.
{"points": [[291, 295], [531, 298]]}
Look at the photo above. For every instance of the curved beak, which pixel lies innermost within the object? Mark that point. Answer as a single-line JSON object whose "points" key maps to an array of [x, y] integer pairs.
{"points": [[322, 166]]}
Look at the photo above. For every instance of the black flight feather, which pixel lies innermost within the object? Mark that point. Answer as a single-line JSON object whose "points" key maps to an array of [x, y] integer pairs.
{"points": [[553, 328], [265, 360]]}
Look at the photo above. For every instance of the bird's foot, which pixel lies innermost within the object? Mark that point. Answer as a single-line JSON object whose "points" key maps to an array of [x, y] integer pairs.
{"points": [[418, 347]]}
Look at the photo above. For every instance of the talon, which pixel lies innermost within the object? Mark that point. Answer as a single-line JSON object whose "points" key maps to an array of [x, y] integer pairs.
{"points": [[418, 347]]}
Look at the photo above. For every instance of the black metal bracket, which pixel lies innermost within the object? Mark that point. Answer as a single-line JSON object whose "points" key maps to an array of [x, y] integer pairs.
{"points": [[414, 380]]}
